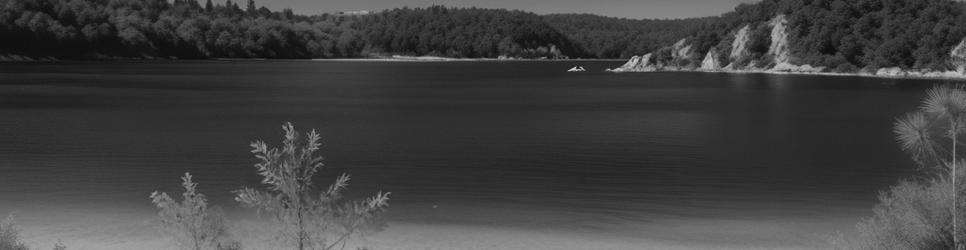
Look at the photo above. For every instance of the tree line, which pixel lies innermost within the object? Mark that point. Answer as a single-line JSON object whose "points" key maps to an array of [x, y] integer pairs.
{"points": [[464, 32], [876, 33], [188, 29], [611, 37], [831, 33]]}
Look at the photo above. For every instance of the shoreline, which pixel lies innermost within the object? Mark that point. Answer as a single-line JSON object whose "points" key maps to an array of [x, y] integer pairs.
{"points": [[449, 60], [398, 235], [51, 60], [920, 76], [14, 58], [916, 75]]}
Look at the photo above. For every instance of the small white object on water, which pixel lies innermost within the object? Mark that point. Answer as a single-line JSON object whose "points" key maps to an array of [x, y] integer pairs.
{"points": [[435, 206], [577, 69]]}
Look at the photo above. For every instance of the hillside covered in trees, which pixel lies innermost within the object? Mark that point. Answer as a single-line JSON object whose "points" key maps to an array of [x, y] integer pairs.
{"points": [[832, 33], [610, 37], [188, 29]]}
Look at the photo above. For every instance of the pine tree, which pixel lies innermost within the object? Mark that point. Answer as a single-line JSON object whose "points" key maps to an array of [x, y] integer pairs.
{"points": [[251, 9], [229, 8]]}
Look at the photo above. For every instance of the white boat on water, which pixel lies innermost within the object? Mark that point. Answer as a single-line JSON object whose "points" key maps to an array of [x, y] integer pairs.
{"points": [[577, 69]]}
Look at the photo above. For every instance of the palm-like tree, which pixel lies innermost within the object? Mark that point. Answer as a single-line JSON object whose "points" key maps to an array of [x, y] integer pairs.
{"points": [[932, 134]]}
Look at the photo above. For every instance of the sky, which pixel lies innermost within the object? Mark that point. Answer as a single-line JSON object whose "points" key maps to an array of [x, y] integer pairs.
{"points": [[636, 9]]}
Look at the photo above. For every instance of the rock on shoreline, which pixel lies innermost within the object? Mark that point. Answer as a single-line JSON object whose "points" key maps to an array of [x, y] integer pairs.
{"points": [[20, 58]]}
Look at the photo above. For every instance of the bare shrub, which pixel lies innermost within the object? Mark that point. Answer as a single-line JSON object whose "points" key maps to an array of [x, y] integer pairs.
{"points": [[10, 235], [190, 222], [60, 245], [308, 219]]}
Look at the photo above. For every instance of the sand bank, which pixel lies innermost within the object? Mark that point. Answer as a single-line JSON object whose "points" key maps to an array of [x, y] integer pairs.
{"points": [[108, 229]]}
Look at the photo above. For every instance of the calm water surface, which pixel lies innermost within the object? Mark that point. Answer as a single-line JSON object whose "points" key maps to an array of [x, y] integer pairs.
{"points": [[468, 137]]}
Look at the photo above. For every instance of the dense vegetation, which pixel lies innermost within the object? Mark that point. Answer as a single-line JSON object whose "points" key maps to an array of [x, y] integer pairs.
{"points": [[609, 37], [927, 212], [464, 33], [877, 33], [185, 29], [832, 33]]}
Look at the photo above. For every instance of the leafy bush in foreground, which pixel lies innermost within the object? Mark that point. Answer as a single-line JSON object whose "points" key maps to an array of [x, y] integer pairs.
{"points": [[9, 236], [60, 245], [190, 222], [307, 220], [911, 215], [924, 214]]}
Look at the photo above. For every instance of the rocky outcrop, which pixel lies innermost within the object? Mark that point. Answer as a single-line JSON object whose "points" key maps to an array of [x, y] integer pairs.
{"points": [[673, 58], [896, 72], [711, 61], [630, 64], [779, 50], [681, 50], [21, 58], [637, 64], [891, 72], [739, 47], [958, 57], [779, 40], [738, 60], [681, 57], [792, 68]]}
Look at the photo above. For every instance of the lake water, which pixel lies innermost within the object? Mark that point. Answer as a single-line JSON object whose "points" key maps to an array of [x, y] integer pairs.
{"points": [[520, 145]]}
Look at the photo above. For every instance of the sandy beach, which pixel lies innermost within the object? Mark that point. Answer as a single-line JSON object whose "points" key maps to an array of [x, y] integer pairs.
{"points": [[142, 235], [100, 227]]}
